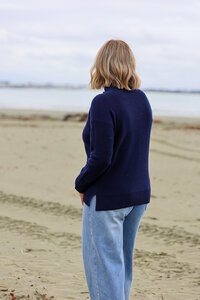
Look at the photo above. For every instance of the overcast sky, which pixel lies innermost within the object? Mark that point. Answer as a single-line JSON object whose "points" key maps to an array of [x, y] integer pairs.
{"points": [[56, 41]]}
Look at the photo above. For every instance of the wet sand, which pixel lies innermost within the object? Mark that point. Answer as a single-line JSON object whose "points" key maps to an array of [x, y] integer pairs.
{"points": [[41, 212]]}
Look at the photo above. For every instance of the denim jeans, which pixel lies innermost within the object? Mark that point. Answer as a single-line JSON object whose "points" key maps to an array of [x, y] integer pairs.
{"points": [[108, 239]]}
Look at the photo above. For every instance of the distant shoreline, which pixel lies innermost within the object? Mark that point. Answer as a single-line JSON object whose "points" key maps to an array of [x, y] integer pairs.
{"points": [[48, 115], [79, 87]]}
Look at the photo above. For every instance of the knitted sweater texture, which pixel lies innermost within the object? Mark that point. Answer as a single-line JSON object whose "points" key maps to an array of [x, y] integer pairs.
{"points": [[116, 138]]}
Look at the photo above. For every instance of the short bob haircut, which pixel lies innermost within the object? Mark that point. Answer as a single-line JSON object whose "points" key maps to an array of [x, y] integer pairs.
{"points": [[114, 66]]}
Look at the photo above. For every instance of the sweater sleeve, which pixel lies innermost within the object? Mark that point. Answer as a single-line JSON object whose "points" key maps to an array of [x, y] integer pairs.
{"points": [[86, 136], [101, 144]]}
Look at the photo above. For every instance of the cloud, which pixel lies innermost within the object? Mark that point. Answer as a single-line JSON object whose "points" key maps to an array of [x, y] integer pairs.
{"points": [[43, 40]]}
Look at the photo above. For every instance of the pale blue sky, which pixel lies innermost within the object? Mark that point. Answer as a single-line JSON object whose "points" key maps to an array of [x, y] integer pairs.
{"points": [[56, 41]]}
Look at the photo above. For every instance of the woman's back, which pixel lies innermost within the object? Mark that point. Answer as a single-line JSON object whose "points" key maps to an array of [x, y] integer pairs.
{"points": [[119, 123]]}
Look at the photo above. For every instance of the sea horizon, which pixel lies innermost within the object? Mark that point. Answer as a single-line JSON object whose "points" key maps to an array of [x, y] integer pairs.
{"points": [[74, 99]]}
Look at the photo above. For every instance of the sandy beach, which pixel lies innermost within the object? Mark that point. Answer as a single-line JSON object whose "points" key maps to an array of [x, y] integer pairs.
{"points": [[41, 212]]}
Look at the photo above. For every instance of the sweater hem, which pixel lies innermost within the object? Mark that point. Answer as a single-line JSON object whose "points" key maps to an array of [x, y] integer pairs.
{"points": [[115, 201]]}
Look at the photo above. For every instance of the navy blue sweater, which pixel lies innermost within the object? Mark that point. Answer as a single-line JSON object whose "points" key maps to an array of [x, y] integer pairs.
{"points": [[116, 137]]}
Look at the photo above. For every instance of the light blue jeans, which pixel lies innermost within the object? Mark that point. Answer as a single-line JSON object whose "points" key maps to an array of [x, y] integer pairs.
{"points": [[108, 239]]}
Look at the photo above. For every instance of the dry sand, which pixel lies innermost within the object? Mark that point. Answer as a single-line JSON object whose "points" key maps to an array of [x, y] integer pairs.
{"points": [[41, 212]]}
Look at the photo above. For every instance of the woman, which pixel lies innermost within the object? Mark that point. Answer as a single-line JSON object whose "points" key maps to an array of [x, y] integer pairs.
{"points": [[114, 185]]}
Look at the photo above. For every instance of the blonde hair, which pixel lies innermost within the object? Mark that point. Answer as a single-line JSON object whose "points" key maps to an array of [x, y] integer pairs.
{"points": [[114, 65]]}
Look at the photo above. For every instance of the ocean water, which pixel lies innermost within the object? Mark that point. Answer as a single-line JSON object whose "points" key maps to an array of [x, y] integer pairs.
{"points": [[78, 100]]}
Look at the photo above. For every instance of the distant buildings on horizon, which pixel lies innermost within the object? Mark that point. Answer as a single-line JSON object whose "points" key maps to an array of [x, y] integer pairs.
{"points": [[49, 85]]}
